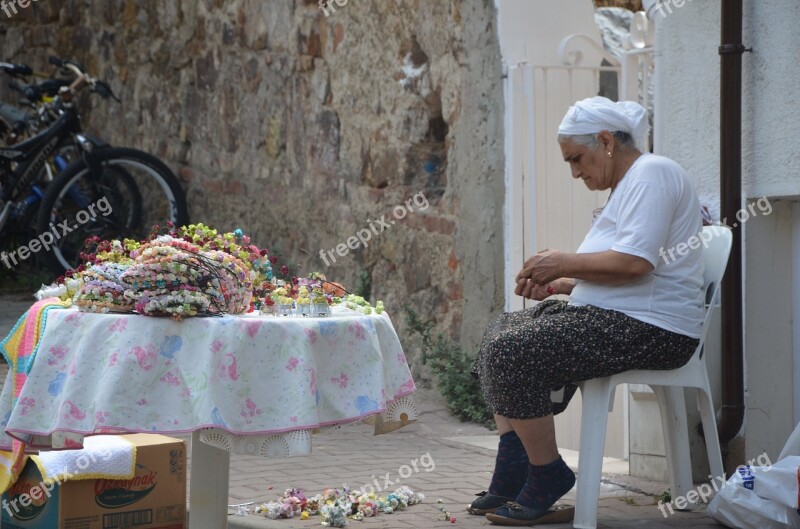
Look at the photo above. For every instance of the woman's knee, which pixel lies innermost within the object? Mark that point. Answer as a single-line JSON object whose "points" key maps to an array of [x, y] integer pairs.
{"points": [[502, 349]]}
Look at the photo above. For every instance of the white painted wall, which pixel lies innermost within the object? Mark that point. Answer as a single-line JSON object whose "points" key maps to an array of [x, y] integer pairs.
{"points": [[771, 107], [690, 126], [771, 167]]}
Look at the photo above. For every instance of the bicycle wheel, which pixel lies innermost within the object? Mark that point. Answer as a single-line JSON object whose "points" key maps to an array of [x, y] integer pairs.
{"points": [[124, 196]]}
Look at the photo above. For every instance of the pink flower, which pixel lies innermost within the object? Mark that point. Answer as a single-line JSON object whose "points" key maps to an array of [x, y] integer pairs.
{"points": [[312, 336], [170, 379], [146, 358], [250, 410], [357, 329], [227, 367], [26, 403], [112, 360], [100, 417], [341, 380], [119, 325], [57, 353], [292, 363], [72, 412], [216, 346], [69, 443], [408, 386], [252, 327]]}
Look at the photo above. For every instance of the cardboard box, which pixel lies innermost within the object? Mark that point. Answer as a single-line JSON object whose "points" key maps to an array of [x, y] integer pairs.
{"points": [[155, 498]]}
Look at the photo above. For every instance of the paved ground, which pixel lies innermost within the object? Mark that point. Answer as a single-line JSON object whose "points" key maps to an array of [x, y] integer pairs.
{"points": [[352, 455], [452, 465]]}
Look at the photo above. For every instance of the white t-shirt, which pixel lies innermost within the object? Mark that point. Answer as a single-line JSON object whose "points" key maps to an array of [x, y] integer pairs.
{"points": [[653, 209]]}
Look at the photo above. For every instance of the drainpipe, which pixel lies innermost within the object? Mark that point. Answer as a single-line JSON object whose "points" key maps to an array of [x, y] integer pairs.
{"points": [[732, 413]]}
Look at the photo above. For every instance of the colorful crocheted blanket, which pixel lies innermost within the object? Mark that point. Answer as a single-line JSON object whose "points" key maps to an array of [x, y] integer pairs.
{"points": [[19, 349]]}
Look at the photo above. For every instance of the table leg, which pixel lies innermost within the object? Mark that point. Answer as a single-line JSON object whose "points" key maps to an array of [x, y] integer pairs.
{"points": [[208, 490]]}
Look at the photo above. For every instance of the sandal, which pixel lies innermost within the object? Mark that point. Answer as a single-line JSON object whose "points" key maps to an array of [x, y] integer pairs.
{"points": [[513, 513], [487, 503]]}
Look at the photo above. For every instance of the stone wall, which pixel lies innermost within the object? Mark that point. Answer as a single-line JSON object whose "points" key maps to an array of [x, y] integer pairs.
{"points": [[302, 128]]}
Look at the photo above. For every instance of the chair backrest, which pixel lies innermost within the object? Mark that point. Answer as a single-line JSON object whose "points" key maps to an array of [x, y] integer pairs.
{"points": [[717, 241]]}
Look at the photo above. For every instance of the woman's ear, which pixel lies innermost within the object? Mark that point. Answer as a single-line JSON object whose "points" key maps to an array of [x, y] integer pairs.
{"points": [[607, 140]]}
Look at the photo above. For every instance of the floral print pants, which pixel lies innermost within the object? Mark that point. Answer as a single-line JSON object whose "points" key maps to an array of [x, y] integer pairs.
{"points": [[527, 354]]}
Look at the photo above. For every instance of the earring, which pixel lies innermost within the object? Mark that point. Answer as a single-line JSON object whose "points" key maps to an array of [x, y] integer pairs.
{"points": [[609, 154]]}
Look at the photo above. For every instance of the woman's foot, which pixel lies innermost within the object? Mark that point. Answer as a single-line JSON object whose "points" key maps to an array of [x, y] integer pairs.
{"points": [[487, 503], [517, 515], [510, 471], [545, 484]]}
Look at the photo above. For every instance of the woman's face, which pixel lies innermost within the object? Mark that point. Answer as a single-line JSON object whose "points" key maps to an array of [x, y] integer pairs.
{"points": [[590, 165]]}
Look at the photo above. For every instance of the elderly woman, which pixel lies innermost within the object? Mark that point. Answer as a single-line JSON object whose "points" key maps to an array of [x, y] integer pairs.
{"points": [[629, 307]]}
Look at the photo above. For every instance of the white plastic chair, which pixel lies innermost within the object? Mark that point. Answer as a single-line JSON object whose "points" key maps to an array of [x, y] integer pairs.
{"points": [[597, 398]]}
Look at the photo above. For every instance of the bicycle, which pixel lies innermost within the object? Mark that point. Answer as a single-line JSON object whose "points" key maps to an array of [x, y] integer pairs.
{"points": [[140, 189], [16, 123], [25, 170], [13, 120]]}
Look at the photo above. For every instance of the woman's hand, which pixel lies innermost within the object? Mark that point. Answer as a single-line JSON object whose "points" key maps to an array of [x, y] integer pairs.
{"points": [[542, 268], [528, 289]]}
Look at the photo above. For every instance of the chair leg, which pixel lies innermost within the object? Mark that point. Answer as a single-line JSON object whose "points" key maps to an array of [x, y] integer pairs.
{"points": [[707, 415], [595, 398], [676, 439]]}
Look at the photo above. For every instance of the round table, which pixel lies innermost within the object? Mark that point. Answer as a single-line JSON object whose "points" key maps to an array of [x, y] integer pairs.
{"points": [[259, 384]]}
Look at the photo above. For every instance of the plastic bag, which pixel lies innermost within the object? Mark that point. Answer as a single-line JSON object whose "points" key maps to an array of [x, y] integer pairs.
{"points": [[763, 497]]}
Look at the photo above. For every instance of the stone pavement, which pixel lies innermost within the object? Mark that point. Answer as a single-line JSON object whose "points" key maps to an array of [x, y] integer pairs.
{"points": [[455, 472], [453, 460]]}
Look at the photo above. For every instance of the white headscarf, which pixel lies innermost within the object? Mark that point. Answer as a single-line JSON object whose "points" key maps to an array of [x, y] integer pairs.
{"points": [[595, 114]]}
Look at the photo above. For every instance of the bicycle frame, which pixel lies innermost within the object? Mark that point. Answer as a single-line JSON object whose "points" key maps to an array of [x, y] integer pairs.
{"points": [[30, 156]]}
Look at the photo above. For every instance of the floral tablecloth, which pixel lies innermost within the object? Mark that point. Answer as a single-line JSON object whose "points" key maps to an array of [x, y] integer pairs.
{"points": [[243, 375]]}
